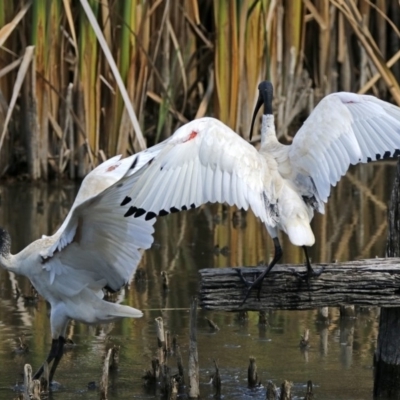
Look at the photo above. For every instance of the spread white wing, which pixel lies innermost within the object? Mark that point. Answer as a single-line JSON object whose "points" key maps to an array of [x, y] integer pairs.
{"points": [[96, 241], [344, 128], [99, 244], [103, 176], [204, 161]]}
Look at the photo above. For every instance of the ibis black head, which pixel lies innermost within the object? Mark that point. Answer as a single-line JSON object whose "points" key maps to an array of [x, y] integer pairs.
{"points": [[265, 96]]}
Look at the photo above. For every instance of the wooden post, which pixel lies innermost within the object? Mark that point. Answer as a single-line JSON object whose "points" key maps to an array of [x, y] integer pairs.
{"points": [[252, 376], [161, 340], [104, 378], [194, 390], [387, 355], [216, 381], [286, 390], [180, 365], [27, 381], [31, 387], [272, 393]]}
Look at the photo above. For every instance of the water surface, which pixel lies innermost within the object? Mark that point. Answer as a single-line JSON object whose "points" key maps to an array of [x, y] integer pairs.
{"points": [[339, 361]]}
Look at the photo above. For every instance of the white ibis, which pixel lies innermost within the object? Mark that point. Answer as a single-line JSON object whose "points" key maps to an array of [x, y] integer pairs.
{"points": [[205, 161], [95, 248]]}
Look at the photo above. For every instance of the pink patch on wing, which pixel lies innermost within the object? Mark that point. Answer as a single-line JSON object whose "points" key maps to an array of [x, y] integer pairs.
{"points": [[191, 136], [112, 167]]}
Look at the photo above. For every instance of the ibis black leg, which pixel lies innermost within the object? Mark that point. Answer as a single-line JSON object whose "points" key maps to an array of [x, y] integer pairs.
{"points": [[256, 284], [57, 358], [49, 359], [310, 271], [56, 353]]}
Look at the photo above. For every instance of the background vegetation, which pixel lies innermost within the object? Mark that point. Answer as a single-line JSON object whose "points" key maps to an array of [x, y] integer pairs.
{"points": [[62, 112]]}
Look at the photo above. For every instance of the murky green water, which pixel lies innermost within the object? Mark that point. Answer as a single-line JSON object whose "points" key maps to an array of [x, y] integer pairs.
{"points": [[339, 361]]}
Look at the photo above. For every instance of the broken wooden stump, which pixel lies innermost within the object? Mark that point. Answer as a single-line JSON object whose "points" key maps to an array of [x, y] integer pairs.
{"points": [[160, 377], [262, 318], [165, 280], [252, 376], [309, 393], [212, 325], [27, 381], [372, 282], [305, 340], [194, 390], [272, 393], [104, 378], [216, 381], [286, 391], [111, 361], [44, 379], [179, 364], [323, 315], [162, 354]]}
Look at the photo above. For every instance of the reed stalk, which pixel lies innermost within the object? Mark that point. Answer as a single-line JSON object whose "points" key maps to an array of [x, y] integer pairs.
{"points": [[40, 35], [88, 91], [178, 61]]}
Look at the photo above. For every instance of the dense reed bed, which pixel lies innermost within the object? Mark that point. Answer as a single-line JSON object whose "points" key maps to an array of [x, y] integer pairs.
{"points": [[65, 101]]}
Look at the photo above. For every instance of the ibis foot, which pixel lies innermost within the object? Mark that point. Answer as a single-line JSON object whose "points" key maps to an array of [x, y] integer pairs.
{"points": [[306, 276], [310, 273], [257, 283], [250, 285]]}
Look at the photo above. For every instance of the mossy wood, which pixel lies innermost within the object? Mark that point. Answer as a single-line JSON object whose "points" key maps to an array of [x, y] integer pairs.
{"points": [[372, 282]]}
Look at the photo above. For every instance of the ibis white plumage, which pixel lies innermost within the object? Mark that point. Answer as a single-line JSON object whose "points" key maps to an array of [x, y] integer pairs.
{"points": [[205, 161], [95, 248]]}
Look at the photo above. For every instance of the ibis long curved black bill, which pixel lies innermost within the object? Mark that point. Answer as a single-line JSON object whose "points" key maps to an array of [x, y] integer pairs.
{"points": [[265, 96]]}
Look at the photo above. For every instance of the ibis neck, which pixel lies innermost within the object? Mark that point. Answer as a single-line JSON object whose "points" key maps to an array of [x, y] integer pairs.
{"points": [[267, 128], [6, 262]]}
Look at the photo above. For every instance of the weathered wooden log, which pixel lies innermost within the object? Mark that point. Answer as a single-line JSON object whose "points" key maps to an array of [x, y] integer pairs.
{"points": [[372, 282]]}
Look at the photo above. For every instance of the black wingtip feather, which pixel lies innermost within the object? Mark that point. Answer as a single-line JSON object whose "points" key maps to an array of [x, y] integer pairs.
{"points": [[131, 211], [135, 161], [387, 155], [150, 215], [139, 212]]}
